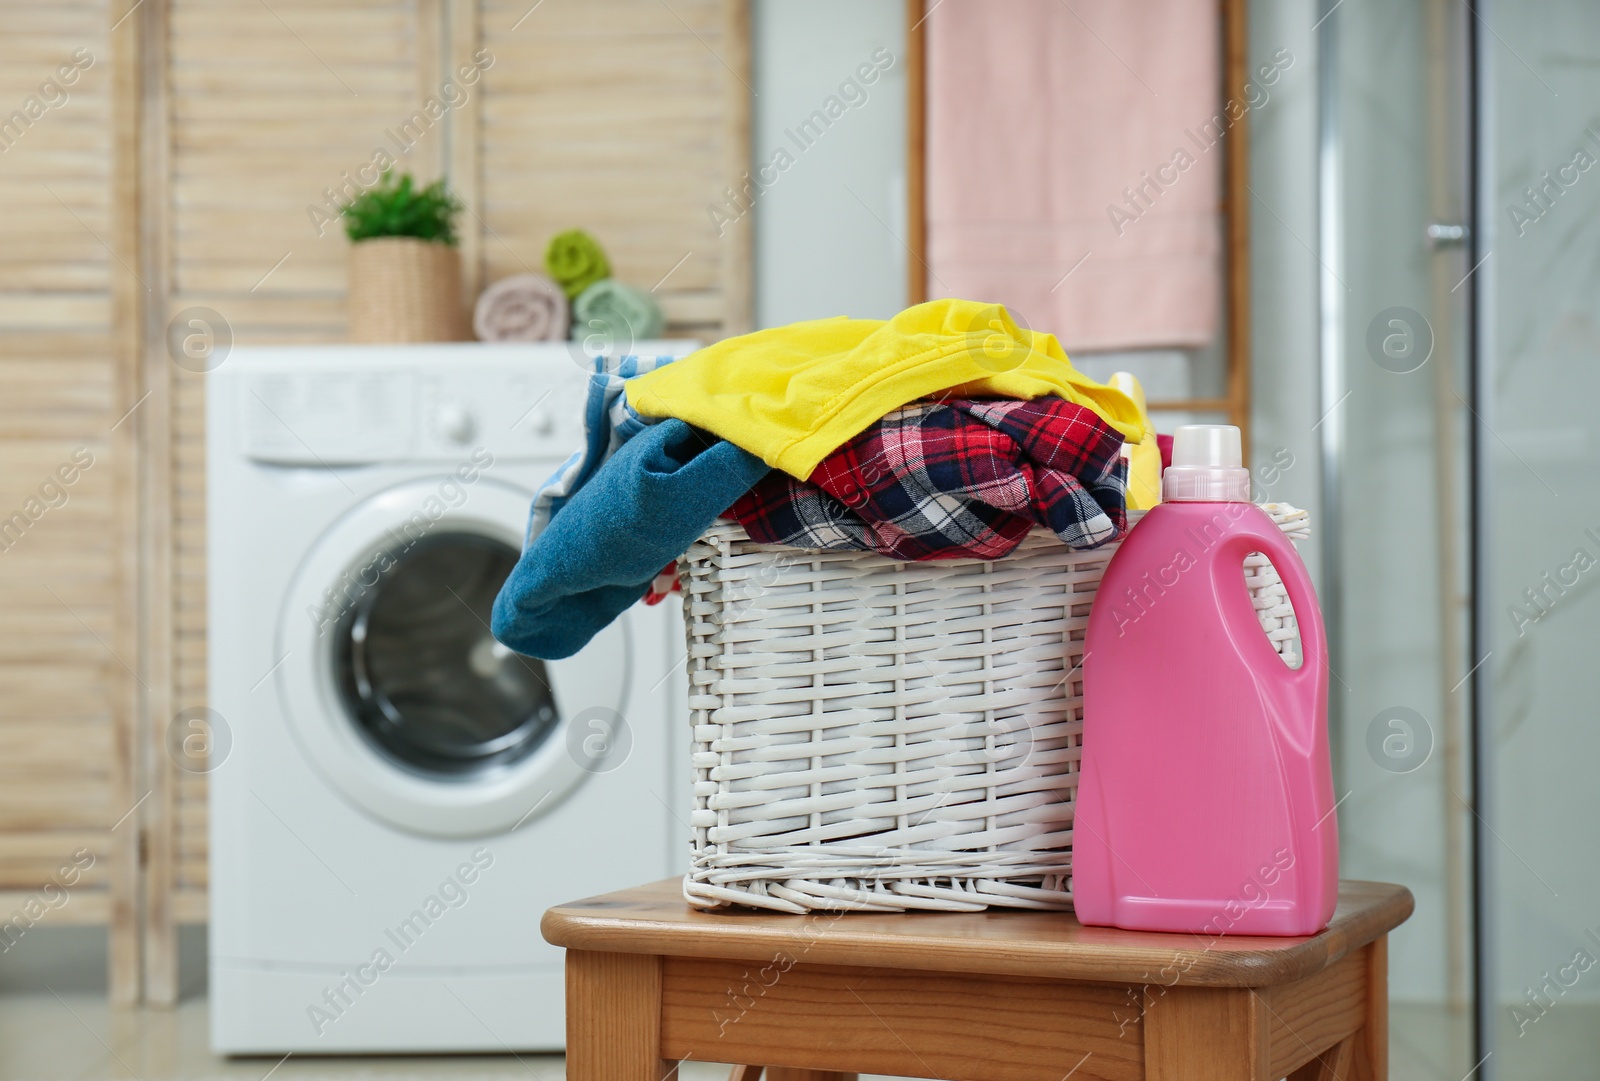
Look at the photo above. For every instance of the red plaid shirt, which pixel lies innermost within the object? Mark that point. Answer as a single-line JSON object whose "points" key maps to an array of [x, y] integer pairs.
{"points": [[953, 480]]}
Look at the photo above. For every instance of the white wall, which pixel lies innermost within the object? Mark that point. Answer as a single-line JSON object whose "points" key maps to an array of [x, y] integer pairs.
{"points": [[829, 229]]}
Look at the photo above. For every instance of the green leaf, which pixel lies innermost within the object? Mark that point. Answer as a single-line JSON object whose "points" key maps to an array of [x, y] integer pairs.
{"points": [[396, 206]]}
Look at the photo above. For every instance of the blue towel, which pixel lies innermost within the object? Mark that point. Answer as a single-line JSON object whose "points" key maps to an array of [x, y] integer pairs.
{"points": [[637, 513]]}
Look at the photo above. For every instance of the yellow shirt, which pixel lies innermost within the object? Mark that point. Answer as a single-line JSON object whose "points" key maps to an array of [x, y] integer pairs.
{"points": [[1144, 457], [792, 395]]}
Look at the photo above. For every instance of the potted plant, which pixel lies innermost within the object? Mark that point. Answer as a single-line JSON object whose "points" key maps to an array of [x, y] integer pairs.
{"points": [[405, 269]]}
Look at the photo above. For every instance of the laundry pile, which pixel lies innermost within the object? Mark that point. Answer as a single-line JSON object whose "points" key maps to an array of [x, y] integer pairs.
{"points": [[946, 432]]}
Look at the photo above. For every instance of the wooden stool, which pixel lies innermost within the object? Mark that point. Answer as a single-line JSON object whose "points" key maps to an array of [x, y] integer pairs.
{"points": [[985, 996]]}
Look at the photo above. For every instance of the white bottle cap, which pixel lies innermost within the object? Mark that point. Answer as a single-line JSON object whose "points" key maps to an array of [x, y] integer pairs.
{"points": [[1207, 466]]}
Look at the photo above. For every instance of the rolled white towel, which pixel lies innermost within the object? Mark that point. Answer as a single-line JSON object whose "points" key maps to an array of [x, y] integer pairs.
{"points": [[522, 308]]}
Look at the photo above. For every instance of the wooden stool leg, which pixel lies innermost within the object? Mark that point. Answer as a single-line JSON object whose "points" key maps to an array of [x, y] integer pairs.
{"points": [[789, 1073], [614, 1018], [1206, 1034], [1372, 1042]]}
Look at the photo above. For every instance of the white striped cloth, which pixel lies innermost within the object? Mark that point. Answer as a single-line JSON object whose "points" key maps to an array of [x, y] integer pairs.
{"points": [[608, 422]]}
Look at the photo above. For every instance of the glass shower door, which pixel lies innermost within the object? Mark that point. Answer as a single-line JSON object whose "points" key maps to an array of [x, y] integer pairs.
{"points": [[1538, 499]]}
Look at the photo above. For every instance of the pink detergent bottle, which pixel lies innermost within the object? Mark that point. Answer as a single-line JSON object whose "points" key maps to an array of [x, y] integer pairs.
{"points": [[1206, 799]]}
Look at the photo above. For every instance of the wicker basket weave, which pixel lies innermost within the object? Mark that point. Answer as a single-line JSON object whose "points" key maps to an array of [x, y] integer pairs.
{"points": [[881, 736], [403, 289]]}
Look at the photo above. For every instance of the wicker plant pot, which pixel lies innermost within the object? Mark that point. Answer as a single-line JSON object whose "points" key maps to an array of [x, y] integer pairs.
{"points": [[403, 289]]}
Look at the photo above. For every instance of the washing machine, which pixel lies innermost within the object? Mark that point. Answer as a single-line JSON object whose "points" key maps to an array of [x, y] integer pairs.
{"points": [[396, 798]]}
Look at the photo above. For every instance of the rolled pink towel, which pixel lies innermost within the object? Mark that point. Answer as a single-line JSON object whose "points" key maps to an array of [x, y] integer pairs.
{"points": [[522, 308]]}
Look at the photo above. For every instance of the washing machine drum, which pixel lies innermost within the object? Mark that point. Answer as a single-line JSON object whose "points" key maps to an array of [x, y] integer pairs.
{"points": [[421, 675], [401, 698]]}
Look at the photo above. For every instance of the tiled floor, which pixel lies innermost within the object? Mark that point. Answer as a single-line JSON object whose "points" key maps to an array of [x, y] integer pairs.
{"points": [[55, 1025], [75, 1037], [1428, 1043]]}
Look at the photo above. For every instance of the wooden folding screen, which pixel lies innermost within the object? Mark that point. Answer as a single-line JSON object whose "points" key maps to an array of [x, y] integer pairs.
{"points": [[68, 656], [190, 171]]}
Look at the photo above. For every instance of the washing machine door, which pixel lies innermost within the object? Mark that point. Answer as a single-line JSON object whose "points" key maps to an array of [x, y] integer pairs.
{"points": [[398, 693]]}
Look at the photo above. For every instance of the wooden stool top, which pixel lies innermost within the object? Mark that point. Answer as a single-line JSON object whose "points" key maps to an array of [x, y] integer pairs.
{"points": [[655, 920]]}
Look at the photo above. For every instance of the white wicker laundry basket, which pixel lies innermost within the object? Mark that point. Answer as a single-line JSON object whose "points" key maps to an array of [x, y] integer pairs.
{"points": [[880, 736]]}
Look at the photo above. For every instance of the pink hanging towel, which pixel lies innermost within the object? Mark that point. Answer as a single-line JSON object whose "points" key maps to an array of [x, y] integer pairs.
{"points": [[1074, 157]]}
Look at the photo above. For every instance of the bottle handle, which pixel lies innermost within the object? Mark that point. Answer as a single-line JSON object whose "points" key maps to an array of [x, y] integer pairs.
{"points": [[1308, 680]]}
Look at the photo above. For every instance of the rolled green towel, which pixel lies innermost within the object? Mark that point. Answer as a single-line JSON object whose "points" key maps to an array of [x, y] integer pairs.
{"points": [[616, 313], [575, 260]]}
